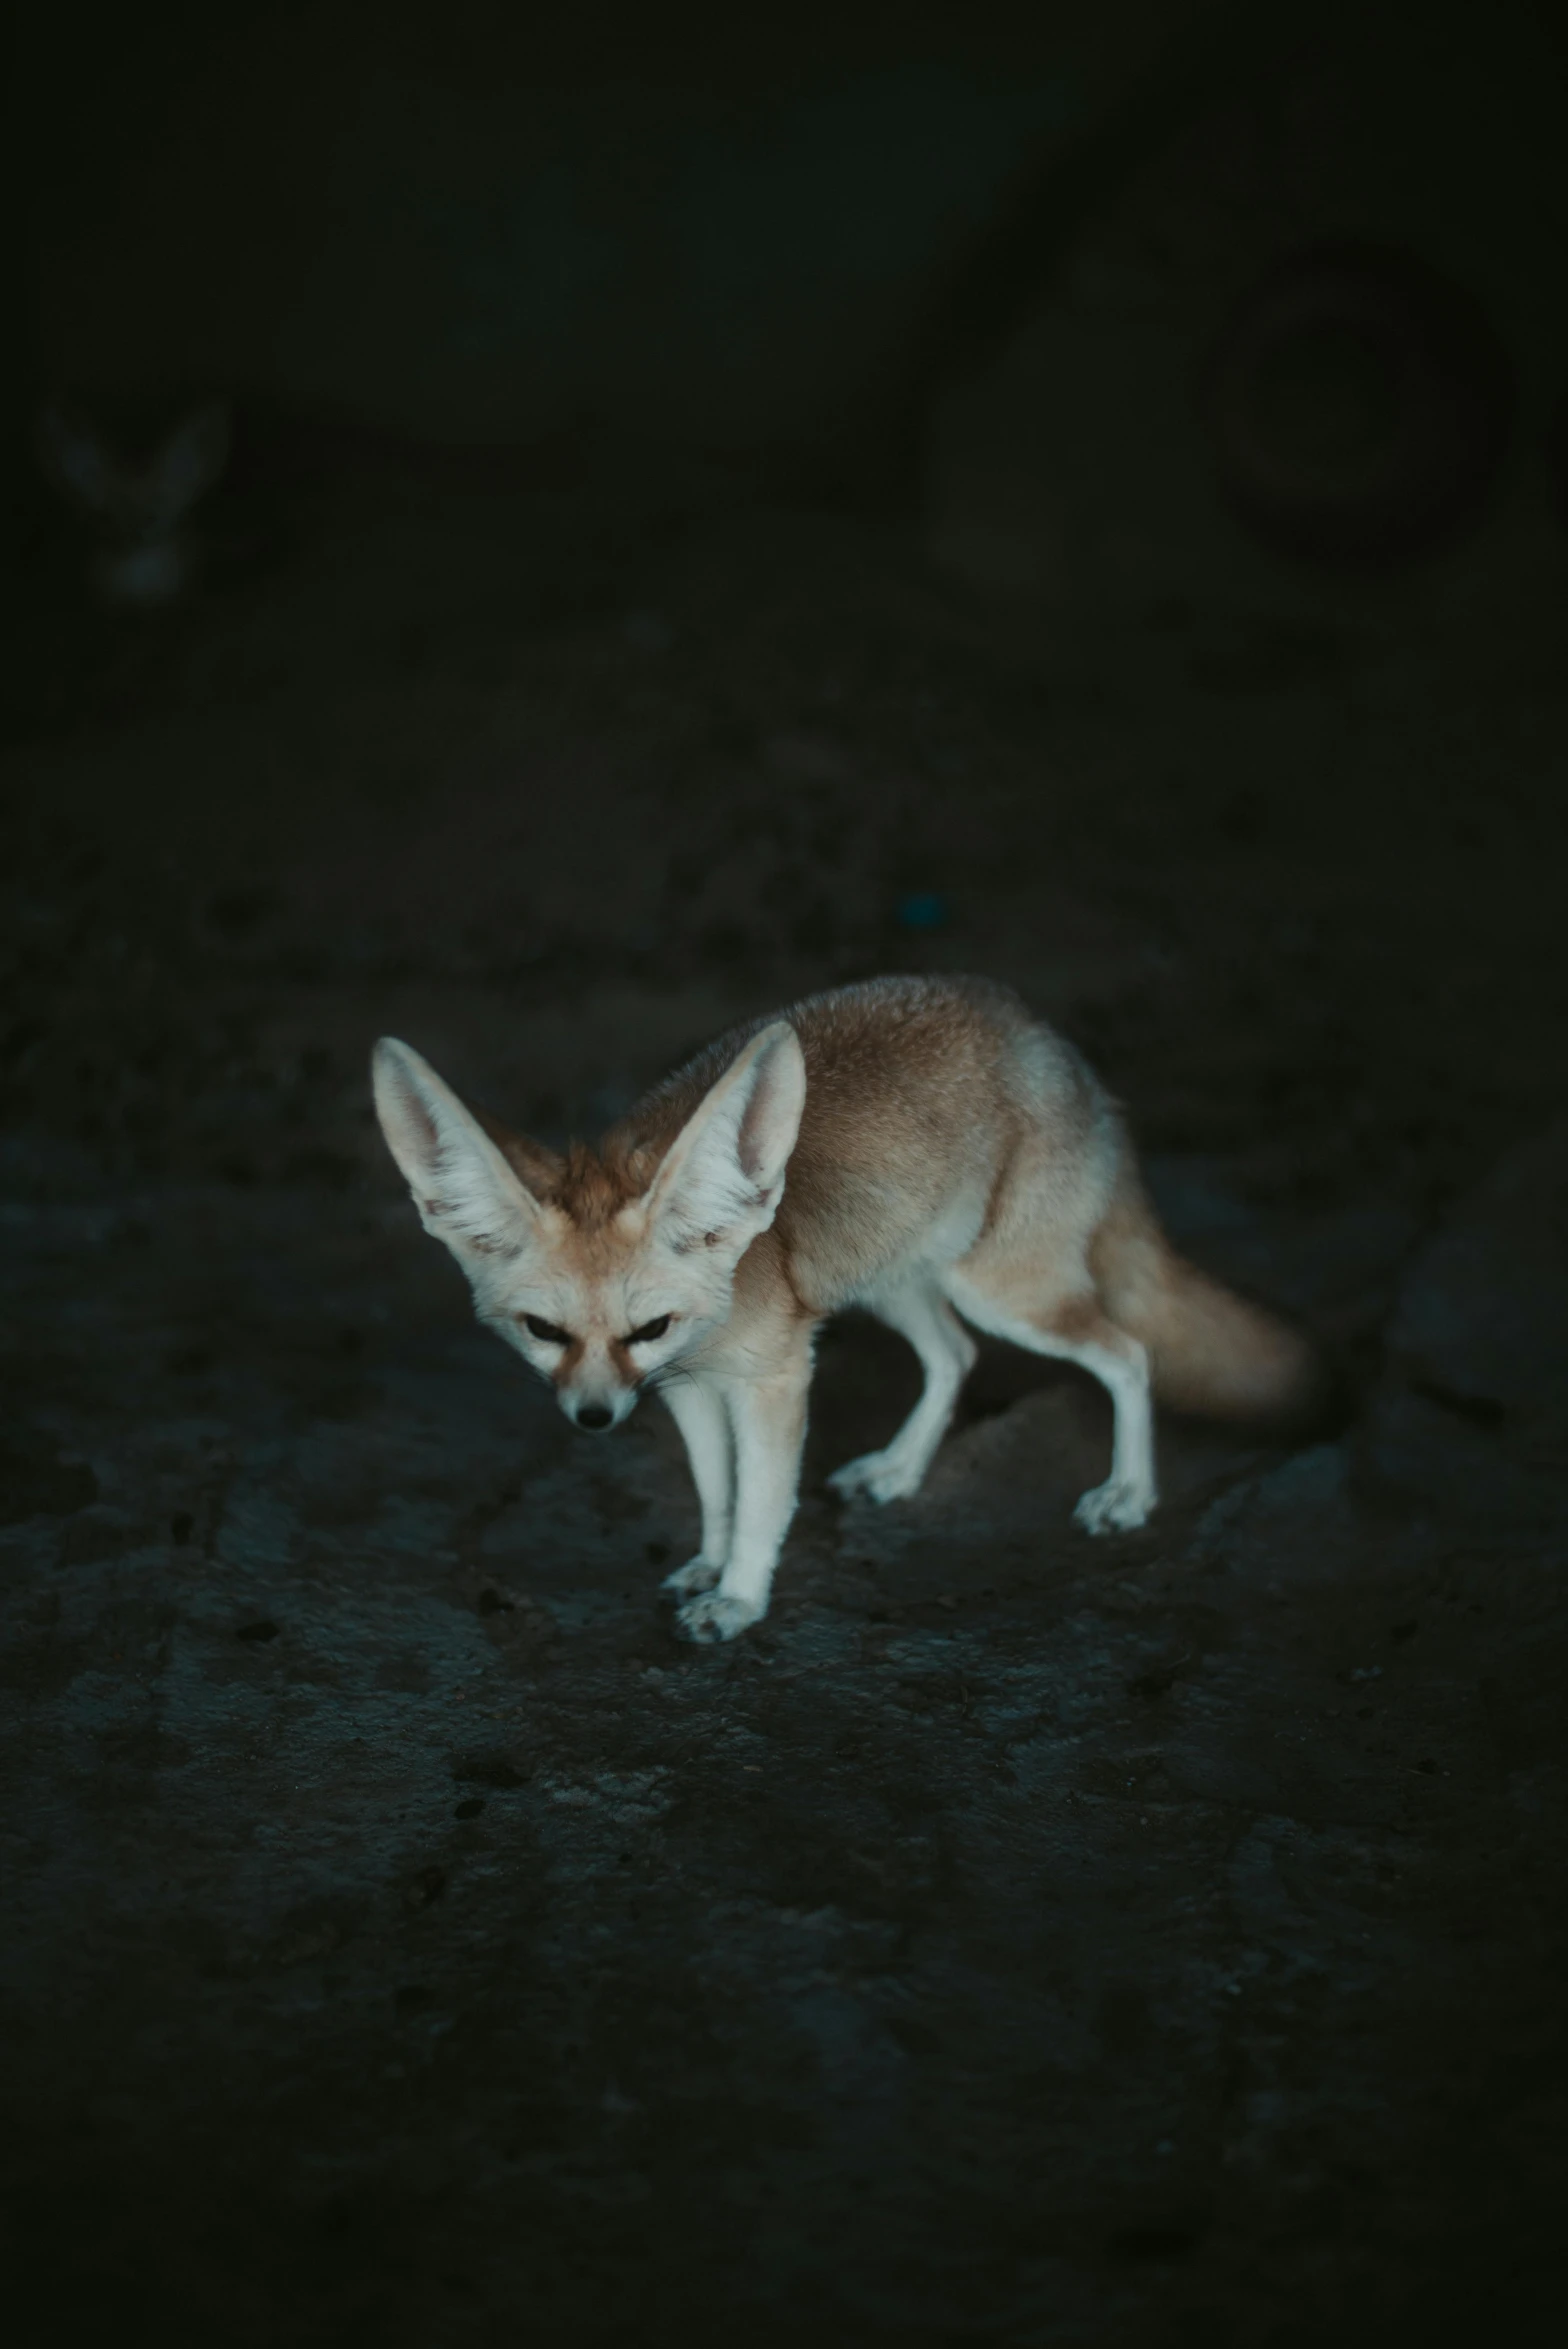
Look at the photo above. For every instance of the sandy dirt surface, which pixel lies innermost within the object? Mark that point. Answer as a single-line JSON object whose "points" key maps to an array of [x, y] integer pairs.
{"points": [[1016, 1939]]}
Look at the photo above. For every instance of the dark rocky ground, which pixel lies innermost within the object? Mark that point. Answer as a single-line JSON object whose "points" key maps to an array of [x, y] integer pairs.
{"points": [[1017, 1939]]}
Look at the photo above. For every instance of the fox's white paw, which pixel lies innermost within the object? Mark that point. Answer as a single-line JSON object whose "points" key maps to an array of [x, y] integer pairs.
{"points": [[881, 1476], [1114, 1507], [697, 1574], [712, 1617]]}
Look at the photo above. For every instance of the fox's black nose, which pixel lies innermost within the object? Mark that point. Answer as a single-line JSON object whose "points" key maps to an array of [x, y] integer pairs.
{"points": [[594, 1415]]}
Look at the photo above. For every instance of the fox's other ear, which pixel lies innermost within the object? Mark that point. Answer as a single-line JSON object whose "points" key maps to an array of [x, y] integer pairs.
{"points": [[723, 1176], [77, 459], [464, 1190], [191, 459]]}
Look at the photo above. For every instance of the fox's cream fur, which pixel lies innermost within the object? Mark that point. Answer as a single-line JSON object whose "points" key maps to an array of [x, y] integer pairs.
{"points": [[918, 1147]]}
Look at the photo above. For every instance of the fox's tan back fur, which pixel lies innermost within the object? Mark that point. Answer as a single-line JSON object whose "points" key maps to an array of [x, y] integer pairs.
{"points": [[906, 1110], [920, 1092], [913, 1146]]}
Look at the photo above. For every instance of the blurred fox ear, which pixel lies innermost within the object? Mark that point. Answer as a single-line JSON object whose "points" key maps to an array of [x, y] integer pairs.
{"points": [[76, 458], [191, 459], [465, 1192], [723, 1175]]}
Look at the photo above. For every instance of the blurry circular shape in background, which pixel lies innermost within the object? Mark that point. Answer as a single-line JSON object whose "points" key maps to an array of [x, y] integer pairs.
{"points": [[1359, 405]]}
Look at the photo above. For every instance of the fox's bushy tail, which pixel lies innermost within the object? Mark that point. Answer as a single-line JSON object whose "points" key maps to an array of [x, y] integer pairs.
{"points": [[1209, 1350]]}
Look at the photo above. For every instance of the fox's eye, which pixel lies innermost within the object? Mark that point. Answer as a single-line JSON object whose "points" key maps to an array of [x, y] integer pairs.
{"points": [[546, 1331], [649, 1331]]}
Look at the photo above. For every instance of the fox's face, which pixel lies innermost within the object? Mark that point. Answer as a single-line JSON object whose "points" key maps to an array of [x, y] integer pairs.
{"points": [[602, 1294], [602, 1315]]}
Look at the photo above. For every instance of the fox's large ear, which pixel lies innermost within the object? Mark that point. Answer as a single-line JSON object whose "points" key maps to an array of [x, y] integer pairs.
{"points": [[190, 460], [77, 459], [464, 1190], [723, 1176]]}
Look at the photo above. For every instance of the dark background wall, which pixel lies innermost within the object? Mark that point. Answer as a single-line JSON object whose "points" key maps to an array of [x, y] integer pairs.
{"points": [[487, 225], [475, 221]]}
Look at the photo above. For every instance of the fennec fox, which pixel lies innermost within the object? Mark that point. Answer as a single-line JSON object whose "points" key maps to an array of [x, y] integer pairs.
{"points": [[918, 1147]]}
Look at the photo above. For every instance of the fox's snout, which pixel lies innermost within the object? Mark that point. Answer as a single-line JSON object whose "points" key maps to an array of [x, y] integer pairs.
{"points": [[596, 1407], [597, 1418]]}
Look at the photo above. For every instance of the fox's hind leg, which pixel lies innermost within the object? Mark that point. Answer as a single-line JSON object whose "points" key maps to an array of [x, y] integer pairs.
{"points": [[1076, 1330], [920, 1313]]}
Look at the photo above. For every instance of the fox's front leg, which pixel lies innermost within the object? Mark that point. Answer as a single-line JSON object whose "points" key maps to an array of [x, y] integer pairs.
{"points": [[697, 1408], [768, 1422]]}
